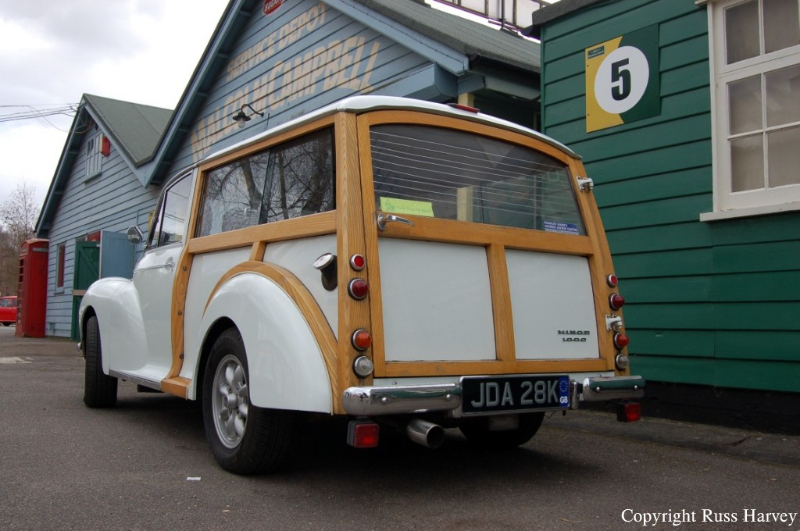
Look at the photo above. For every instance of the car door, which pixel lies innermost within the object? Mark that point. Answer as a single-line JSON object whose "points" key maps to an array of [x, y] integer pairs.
{"points": [[154, 275]]}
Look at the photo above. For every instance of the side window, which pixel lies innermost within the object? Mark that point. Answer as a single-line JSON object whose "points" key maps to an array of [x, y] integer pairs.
{"points": [[287, 181], [170, 221]]}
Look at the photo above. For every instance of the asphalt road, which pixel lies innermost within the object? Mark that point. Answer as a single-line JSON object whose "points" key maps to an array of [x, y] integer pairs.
{"points": [[145, 465]]}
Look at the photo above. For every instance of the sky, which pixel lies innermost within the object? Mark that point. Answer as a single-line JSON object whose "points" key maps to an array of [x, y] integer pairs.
{"points": [[52, 52]]}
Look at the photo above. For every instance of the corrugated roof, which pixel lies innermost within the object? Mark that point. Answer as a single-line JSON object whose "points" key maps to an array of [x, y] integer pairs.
{"points": [[460, 34], [136, 128]]}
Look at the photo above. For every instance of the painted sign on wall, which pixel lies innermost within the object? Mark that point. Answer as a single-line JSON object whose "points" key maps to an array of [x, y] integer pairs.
{"points": [[273, 76], [622, 80]]}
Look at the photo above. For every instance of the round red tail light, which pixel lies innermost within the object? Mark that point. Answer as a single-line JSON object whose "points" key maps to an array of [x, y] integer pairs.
{"points": [[361, 339], [612, 280], [616, 301], [358, 288], [358, 262], [621, 340]]}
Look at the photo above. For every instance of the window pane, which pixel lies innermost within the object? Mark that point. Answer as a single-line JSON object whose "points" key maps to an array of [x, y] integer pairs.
{"points": [[781, 25], [783, 96], [741, 31], [232, 197], [784, 157], [744, 101], [175, 208], [287, 181], [747, 163], [461, 176], [300, 178]]}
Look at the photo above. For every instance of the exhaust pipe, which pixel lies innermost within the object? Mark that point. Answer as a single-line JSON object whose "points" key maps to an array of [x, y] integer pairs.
{"points": [[425, 433]]}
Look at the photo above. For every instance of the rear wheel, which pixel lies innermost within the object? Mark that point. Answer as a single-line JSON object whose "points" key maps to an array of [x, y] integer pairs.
{"points": [[244, 439], [99, 390], [478, 432]]}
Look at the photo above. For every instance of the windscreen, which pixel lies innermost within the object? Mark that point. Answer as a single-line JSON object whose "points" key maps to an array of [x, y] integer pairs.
{"points": [[449, 174]]}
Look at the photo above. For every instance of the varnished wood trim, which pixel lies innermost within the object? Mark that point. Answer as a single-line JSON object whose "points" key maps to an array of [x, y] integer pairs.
{"points": [[180, 285], [257, 251], [452, 231], [371, 243], [302, 227], [599, 264], [270, 141], [501, 303], [307, 305], [408, 370], [177, 386], [353, 314]]}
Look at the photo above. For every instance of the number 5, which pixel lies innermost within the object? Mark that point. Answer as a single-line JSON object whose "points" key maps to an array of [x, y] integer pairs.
{"points": [[620, 80]]}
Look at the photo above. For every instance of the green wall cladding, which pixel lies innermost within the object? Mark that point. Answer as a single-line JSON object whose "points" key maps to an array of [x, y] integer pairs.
{"points": [[707, 303]]}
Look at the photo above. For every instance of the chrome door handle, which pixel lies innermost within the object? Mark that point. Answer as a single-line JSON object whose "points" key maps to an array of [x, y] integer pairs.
{"points": [[169, 265], [383, 219]]}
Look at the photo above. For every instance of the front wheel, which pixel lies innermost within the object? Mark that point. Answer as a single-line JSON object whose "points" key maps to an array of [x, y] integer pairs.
{"points": [[478, 432], [244, 439], [99, 390]]}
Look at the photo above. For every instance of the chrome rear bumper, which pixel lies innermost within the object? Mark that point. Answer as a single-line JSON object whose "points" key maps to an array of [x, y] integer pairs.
{"points": [[396, 400]]}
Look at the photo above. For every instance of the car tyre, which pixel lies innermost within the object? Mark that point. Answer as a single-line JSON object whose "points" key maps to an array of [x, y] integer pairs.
{"points": [[477, 432], [244, 439], [99, 390]]}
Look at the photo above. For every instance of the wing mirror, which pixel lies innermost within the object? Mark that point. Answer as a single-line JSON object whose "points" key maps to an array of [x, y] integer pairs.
{"points": [[135, 235]]}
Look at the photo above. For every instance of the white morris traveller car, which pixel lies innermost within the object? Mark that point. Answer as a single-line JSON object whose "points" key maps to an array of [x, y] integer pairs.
{"points": [[393, 261]]}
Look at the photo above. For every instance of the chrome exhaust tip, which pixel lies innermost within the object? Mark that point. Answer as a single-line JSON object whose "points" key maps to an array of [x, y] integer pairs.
{"points": [[425, 433]]}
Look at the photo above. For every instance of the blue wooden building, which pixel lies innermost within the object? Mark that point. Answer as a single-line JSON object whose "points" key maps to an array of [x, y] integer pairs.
{"points": [[272, 61]]}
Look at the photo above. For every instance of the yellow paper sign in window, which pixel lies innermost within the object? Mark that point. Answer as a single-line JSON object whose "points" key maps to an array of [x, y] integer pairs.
{"points": [[406, 206]]}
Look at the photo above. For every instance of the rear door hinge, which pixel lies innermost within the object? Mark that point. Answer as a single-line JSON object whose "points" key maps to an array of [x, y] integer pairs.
{"points": [[585, 184]]}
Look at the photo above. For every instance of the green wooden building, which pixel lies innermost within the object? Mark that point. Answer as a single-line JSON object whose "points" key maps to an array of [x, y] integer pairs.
{"points": [[687, 114]]}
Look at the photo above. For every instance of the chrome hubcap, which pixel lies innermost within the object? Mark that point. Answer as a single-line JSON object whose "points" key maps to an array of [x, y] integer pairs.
{"points": [[230, 401]]}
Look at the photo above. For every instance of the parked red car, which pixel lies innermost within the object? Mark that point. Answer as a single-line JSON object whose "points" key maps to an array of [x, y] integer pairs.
{"points": [[8, 310]]}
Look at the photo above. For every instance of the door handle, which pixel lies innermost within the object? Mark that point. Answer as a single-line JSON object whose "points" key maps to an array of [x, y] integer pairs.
{"points": [[383, 219], [169, 265]]}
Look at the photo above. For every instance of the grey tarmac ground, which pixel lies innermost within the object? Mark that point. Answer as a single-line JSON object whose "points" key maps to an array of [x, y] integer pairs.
{"points": [[145, 465]]}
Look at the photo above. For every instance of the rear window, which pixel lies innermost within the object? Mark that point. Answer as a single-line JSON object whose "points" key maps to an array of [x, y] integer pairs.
{"points": [[449, 174], [287, 181]]}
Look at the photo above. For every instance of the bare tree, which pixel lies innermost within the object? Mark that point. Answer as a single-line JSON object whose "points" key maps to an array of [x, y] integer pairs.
{"points": [[18, 216]]}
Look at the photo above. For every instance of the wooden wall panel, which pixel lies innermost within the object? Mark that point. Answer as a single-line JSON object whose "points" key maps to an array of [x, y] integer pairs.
{"points": [[707, 303]]}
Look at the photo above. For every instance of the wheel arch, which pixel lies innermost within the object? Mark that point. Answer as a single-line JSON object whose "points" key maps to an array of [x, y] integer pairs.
{"points": [[290, 347]]}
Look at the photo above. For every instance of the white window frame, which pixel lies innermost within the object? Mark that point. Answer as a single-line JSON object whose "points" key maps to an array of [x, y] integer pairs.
{"points": [[94, 156], [729, 204]]}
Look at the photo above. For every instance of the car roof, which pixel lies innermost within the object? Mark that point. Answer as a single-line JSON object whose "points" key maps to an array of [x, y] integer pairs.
{"points": [[361, 104]]}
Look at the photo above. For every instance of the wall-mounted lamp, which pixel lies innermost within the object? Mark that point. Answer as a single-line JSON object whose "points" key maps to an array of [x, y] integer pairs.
{"points": [[241, 118]]}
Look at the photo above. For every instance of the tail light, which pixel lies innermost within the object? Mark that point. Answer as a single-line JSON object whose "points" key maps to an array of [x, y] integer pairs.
{"points": [[621, 340], [363, 434], [363, 366], [612, 280], [616, 301], [629, 411], [358, 262], [361, 339], [358, 288]]}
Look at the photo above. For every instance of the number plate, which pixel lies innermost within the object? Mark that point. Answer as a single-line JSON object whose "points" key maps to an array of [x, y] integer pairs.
{"points": [[488, 394]]}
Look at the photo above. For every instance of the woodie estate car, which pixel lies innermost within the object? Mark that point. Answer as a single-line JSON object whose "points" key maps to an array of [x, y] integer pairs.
{"points": [[392, 261]]}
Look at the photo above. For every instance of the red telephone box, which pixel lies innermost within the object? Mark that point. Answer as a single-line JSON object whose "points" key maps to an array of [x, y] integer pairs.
{"points": [[32, 289]]}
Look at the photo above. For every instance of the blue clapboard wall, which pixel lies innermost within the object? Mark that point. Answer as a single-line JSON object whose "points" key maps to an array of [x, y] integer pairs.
{"points": [[291, 62]]}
